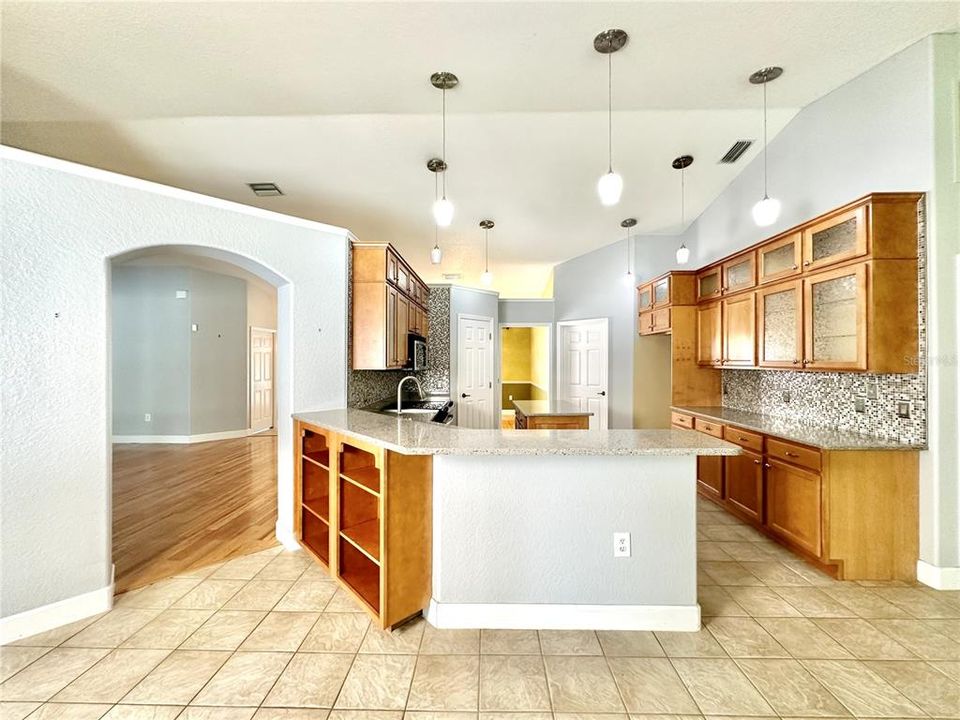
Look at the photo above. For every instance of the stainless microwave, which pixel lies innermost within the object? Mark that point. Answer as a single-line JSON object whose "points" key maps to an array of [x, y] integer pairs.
{"points": [[416, 352]]}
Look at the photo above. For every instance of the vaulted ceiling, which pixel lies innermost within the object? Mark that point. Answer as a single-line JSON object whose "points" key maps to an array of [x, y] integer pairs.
{"points": [[332, 101]]}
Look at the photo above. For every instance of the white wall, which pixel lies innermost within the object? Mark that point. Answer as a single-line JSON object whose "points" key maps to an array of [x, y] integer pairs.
{"points": [[61, 225]]}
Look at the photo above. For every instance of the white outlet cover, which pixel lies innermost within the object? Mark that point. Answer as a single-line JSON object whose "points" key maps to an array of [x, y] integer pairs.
{"points": [[181, 294], [147, 417], [194, 327], [621, 544]]}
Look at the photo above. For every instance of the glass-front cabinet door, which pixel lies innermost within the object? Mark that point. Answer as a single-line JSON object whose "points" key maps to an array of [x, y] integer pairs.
{"points": [[644, 298], [835, 319], [740, 273], [661, 292], [840, 237], [779, 259], [708, 283], [780, 325]]}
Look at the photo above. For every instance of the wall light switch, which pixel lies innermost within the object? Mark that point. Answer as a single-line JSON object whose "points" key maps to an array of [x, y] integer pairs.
{"points": [[181, 294], [621, 544], [147, 417], [786, 397], [903, 409], [860, 405], [194, 327], [872, 391]]}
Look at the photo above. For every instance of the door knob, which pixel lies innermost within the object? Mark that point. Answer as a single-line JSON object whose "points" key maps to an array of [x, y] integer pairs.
{"points": [[602, 392], [464, 395]]}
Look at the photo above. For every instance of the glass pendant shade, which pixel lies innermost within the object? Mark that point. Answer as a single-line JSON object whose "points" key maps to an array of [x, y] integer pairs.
{"points": [[766, 211], [683, 255], [486, 277], [610, 188], [443, 212], [436, 255]]}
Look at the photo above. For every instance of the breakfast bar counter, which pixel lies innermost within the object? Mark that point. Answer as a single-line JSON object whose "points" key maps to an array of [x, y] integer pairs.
{"points": [[567, 529]]}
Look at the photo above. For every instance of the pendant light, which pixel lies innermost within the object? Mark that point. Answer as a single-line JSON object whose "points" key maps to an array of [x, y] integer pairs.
{"points": [[436, 166], [766, 211], [610, 184], [486, 277], [682, 163], [627, 224], [443, 208]]}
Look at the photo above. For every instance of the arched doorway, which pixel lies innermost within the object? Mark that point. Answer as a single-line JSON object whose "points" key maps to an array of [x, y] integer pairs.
{"points": [[194, 462]]}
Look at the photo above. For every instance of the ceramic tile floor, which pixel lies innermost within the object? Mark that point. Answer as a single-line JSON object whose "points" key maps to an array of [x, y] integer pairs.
{"points": [[269, 636]]}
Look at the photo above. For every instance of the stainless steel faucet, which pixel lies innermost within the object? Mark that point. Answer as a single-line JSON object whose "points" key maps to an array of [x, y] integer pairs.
{"points": [[400, 387]]}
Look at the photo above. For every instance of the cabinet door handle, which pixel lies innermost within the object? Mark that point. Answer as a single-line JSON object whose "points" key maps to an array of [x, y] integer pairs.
{"points": [[806, 262], [794, 267], [756, 462], [796, 362], [790, 454], [766, 465]]}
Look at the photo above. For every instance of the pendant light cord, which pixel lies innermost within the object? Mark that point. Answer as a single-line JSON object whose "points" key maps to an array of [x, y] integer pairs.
{"points": [[629, 269], [486, 250], [443, 136], [609, 112], [683, 213], [765, 140], [436, 228]]}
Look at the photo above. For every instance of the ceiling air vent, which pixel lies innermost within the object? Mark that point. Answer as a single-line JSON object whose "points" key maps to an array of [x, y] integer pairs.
{"points": [[265, 189], [735, 151]]}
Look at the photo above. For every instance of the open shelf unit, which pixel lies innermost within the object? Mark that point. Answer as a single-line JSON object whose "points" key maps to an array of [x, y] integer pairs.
{"points": [[365, 513]]}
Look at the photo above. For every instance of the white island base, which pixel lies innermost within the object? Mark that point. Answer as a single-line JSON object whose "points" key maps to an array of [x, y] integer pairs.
{"points": [[527, 542]]}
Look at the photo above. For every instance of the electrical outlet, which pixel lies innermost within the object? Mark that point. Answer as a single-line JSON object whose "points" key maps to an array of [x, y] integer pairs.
{"points": [[903, 409], [860, 405], [181, 294], [510, 397], [872, 391], [147, 417], [621, 544], [194, 327], [786, 397]]}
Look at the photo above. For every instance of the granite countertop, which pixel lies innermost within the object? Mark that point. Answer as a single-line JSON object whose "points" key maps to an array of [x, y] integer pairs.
{"points": [[540, 408], [822, 437], [419, 438]]}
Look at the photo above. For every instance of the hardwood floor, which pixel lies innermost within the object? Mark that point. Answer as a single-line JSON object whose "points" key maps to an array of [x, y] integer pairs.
{"points": [[180, 507]]}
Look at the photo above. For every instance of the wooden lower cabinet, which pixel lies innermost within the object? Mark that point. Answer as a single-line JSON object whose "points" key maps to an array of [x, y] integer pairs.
{"points": [[550, 422], [710, 475], [744, 484], [853, 513], [365, 514], [793, 505]]}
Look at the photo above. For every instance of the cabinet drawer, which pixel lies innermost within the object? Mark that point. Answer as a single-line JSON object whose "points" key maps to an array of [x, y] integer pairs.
{"points": [[797, 454], [744, 438], [709, 427], [682, 419]]}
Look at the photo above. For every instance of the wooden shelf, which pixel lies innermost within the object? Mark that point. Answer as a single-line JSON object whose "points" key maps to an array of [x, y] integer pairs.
{"points": [[321, 458], [360, 574], [319, 507], [315, 536], [367, 478], [365, 537]]}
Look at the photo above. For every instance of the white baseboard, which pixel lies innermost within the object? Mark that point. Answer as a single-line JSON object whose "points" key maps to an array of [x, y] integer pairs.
{"points": [[62, 612], [939, 578], [286, 537], [184, 439], [523, 616]]}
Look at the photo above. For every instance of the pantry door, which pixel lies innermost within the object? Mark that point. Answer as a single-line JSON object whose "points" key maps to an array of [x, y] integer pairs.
{"points": [[475, 391], [582, 362]]}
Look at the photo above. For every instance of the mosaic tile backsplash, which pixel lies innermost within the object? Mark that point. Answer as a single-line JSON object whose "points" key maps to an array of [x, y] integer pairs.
{"points": [[829, 399], [365, 387]]}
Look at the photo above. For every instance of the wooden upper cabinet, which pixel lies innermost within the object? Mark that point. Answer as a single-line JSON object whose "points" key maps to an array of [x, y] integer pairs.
{"points": [[709, 335], [661, 320], [388, 302], [835, 319], [661, 289], [780, 325], [709, 283], [739, 331], [838, 237], [645, 323], [644, 297], [779, 259], [739, 273]]}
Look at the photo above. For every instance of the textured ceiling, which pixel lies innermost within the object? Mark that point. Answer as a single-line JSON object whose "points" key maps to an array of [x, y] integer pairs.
{"points": [[332, 102]]}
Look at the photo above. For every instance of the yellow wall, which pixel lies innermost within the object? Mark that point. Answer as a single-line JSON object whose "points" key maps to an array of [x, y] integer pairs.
{"points": [[515, 353]]}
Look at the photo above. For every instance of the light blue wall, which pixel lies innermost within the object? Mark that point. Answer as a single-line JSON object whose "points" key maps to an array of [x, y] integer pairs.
{"points": [[526, 311]]}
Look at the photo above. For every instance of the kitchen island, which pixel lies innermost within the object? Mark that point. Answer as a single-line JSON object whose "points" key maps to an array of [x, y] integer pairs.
{"points": [[503, 528], [550, 415]]}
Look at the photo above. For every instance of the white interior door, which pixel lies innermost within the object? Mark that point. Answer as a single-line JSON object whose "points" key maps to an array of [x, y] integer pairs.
{"points": [[582, 362], [261, 379], [475, 391]]}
